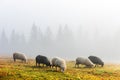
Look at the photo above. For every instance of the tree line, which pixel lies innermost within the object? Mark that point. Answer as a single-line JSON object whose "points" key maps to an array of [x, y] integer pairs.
{"points": [[64, 44]]}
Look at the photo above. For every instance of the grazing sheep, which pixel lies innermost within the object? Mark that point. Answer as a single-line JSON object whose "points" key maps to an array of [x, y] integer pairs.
{"points": [[42, 60], [19, 56], [96, 60], [84, 61], [59, 62]]}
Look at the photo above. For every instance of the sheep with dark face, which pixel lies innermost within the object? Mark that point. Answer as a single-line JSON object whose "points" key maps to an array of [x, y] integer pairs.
{"points": [[96, 60], [19, 56], [59, 62], [83, 61], [42, 60]]}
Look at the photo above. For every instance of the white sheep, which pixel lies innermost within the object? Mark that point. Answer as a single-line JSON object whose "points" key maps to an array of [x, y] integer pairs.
{"points": [[19, 56], [84, 61], [59, 62]]}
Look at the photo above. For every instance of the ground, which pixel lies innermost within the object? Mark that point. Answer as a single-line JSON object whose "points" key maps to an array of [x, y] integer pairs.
{"points": [[10, 70]]}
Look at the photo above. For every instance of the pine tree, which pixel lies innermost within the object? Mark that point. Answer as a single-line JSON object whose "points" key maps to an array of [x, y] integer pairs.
{"points": [[4, 45]]}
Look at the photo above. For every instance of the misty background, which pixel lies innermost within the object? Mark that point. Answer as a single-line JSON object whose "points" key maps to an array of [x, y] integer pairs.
{"points": [[65, 28]]}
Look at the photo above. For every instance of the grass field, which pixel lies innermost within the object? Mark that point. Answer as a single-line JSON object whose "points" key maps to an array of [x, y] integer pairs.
{"points": [[27, 71]]}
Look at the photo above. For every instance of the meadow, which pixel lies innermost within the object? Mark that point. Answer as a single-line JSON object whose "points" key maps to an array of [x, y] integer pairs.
{"points": [[10, 70]]}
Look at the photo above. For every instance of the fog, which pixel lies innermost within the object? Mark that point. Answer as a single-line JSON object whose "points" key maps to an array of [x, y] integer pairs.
{"points": [[65, 28]]}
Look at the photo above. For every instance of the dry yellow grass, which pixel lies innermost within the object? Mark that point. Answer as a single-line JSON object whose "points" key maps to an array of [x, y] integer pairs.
{"points": [[10, 70]]}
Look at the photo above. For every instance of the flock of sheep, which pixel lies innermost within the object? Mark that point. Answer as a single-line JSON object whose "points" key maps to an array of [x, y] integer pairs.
{"points": [[91, 61]]}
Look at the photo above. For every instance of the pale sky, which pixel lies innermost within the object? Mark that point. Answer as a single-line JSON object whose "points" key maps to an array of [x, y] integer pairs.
{"points": [[100, 15], [21, 14]]}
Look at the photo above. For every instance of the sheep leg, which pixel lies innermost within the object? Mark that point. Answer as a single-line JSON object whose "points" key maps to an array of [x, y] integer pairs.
{"points": [[56, 68], [39, 65], [101, 65], [36, 63], [52, 67], [14, 60], [78, 65]]}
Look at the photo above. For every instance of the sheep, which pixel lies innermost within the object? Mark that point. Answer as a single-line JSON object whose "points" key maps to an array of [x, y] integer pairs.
{"points": [[96, 60], [19, 56], [59, 62], [84, 61], [42, 60]]}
